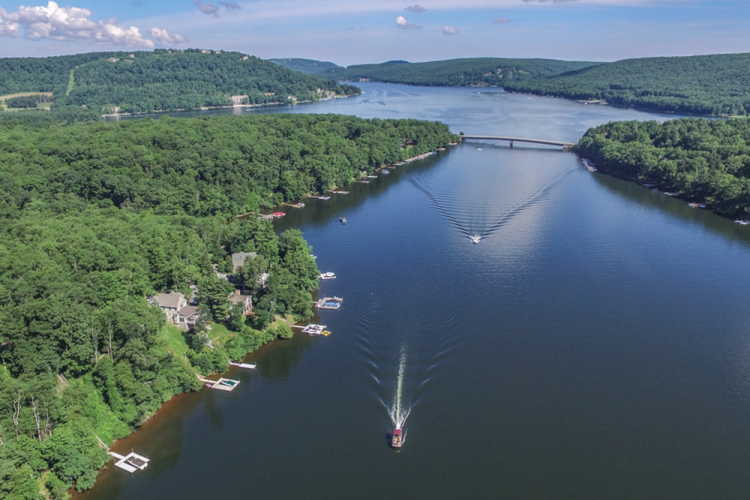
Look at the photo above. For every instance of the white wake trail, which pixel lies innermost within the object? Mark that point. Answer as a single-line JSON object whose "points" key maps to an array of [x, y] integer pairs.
{"points": [[398, 413]]}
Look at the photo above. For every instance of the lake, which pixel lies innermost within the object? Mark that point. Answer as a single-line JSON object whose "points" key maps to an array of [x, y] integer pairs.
{"points": [[595, 344]]}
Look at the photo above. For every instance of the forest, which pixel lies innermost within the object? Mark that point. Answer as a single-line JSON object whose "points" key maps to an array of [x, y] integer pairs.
{"points": [[96, 217], [705, 160], [481, 71], [309, 66], [162, 80], [700, 85]]}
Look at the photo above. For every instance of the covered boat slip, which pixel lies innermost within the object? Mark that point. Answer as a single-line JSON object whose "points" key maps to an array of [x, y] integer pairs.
{"points": [[329, 303]]}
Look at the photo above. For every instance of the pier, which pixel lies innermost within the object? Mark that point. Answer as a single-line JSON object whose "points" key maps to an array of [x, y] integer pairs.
{"points": [[131, 462], [564, 145], [329, 303]]}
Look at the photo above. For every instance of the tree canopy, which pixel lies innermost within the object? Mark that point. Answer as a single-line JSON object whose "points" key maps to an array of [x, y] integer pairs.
{"points": [[705, 85], [703, 159], [480, 71]]}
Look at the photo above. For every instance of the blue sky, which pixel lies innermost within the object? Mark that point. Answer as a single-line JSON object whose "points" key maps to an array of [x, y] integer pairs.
{"points": [[361, 31]]}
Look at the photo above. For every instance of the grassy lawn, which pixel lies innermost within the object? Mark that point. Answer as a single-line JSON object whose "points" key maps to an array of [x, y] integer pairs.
{"points": [[171, 337], [219, 333]]}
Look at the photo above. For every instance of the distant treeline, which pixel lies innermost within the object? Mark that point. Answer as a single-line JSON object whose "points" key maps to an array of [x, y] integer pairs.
{"points": [[308, 66], [484, 71], [161, 80], [702, 159], [705, 85]]}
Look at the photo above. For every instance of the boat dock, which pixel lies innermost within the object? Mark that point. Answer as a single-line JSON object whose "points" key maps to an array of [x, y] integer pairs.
{"points": [[327, 276], [371, 176], [246, 366], [340, 192], [295, 205], [319, 197], [223, 384], [590, 166], [363, 182], [130, 462], [313, 329], [329, 303]]}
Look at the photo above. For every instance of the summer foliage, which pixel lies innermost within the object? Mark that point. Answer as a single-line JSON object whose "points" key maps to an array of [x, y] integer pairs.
{"points": [[96, 217], [704, 159], [485, 71], [706, 85], [161, 80]]}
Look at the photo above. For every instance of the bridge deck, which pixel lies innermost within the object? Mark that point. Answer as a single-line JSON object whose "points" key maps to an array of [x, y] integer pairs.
{"points": [[518, 139]]}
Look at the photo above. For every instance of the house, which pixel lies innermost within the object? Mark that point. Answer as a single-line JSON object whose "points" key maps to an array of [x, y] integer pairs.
{"points": [[170, 303], [245, 300], [237, 99], [187, 317], [239, 258]]}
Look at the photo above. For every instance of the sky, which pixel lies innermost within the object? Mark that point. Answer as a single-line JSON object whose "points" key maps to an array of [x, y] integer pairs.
{"points": [[370, 31]]}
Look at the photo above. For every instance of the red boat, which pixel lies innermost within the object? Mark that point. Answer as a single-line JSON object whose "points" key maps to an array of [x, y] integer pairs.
{"points": [[398, 439], [279, 214]]}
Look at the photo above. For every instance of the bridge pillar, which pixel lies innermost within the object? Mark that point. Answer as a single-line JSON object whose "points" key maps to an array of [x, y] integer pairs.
{"points": [[511, 143]]}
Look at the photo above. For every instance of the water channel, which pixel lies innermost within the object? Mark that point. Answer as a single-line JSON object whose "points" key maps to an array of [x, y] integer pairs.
{"points": [[594, 345]]}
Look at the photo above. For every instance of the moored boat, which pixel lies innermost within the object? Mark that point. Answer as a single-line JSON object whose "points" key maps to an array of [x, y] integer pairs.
{"points": [[475, 239]]}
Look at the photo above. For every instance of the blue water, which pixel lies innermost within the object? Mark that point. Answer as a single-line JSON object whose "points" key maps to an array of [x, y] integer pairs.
{"points": [[595, 344]]}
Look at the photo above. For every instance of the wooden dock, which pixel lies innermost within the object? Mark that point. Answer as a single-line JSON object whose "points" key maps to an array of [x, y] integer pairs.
{"points": [[333, 303], [130, 462]]}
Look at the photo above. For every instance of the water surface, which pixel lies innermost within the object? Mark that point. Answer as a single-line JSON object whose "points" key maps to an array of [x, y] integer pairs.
{"points": [[594, 345]]}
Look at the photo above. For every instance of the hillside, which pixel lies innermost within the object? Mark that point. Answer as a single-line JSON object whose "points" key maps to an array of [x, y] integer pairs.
{"points": [[706, 85], [308, 66], [486, 71], [162, 80]]}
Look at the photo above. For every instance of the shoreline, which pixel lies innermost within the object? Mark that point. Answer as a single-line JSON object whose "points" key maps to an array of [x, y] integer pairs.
{"points": [[209, 108]]}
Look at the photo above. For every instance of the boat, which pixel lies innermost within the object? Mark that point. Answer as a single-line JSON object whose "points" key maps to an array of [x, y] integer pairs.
{"points": [[648, 185], [397, 439], [669, 193], [385, 172], [742, 222], [479, 149], [246, 366], [475, 239], [343, 220], [313, 329], [327, 276], [278, 214]]}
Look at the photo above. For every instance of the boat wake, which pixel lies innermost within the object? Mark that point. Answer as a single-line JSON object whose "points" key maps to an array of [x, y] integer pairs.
{"points": [[485, 224], [397, 411]]}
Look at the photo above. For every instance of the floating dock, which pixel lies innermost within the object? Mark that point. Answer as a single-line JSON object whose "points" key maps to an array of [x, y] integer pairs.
{"points": [[131, 462], [313, 329], [320, 197], [327, 276], [372, 176], [223, 384], [340, 192], [295, 205], [246, 366], [329, 303]]}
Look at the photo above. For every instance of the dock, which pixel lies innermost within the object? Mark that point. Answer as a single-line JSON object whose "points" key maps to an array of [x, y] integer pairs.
{"points": [[372, 176], [313, 329], [329, 303], [130, 462], [590, 166], [295, 205], [363, 182], [223, 384], [246, 366], [340, 192], [327, 276], [320, 197]]}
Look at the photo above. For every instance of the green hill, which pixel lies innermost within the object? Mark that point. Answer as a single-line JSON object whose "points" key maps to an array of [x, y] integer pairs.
{"points": [[308, 66], [706, 85], [484, 71], [161, 80]]}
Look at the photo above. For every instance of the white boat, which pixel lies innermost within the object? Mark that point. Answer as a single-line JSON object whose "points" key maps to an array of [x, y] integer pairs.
{"points": [[327, 276], [246, 366], [475, 239]]}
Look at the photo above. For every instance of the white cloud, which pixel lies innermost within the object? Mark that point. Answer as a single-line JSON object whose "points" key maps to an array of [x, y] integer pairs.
{"points": [[415, 8], [500, 20], [449, 30], [402, 23], [167, 38], [207, 8], [70, 24]]}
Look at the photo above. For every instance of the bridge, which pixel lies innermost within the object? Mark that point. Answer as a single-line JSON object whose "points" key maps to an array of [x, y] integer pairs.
{"points": [[564, 145]]}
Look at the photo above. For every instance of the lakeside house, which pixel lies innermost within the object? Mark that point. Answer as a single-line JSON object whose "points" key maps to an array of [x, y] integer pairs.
{"points": [[246, 301], [237, 99], [187, 317], [170, 304], [239, 258]]}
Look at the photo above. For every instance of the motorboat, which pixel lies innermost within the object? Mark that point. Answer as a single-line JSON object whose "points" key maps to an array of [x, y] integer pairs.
{"points": [[397, 439], [327, 276], [343, 220], [475, 239]]}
